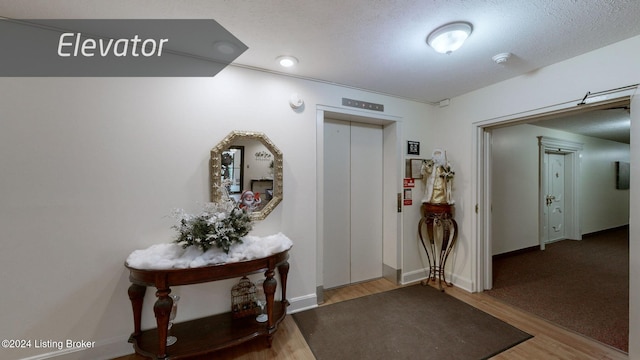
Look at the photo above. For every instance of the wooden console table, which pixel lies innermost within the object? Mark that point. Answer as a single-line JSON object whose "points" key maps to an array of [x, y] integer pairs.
{"points": [[438, 217], [205, 335]]}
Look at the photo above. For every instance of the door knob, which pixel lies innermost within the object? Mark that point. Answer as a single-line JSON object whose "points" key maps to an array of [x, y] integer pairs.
{"points": [[550, 199]]}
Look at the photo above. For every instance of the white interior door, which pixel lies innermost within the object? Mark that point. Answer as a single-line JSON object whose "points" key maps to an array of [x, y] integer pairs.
{"points": [[352, 202], [555, 197]]}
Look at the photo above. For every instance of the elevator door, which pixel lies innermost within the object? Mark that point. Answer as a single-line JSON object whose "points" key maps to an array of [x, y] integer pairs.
{"points": [[352, 202]]}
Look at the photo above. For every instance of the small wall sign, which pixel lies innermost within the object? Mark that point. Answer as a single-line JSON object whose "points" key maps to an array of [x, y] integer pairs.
{"points": [[413, 147], [409, 182], [408, 197]]}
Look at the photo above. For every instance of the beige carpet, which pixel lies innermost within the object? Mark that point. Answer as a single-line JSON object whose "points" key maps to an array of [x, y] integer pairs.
{"points": [[414, 322]]}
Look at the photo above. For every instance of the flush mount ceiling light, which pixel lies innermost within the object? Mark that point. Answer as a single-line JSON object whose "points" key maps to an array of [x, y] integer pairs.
{"points": [[449, 37], [287, 61]]}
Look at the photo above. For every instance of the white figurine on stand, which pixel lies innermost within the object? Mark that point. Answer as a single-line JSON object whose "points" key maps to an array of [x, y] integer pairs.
{"points": [[438, 176]]}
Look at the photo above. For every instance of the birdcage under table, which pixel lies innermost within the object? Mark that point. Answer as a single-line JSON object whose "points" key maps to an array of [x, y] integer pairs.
{"points": [[243, 299]]}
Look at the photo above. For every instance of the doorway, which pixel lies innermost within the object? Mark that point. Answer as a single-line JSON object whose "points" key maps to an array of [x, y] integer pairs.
{"points": [[559, 171], [483, 277], [352, 202]]}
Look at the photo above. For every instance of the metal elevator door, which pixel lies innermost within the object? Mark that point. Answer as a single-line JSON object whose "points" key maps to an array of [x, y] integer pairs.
{"points": [[352, 202]]}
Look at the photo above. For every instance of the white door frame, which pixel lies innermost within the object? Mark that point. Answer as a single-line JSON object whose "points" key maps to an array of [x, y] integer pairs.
{"points": [[481, 245], [572, 151], [392, 186]]}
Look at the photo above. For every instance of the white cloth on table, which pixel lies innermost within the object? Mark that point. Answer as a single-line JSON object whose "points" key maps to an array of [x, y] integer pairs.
{"points": [[173, 256]]}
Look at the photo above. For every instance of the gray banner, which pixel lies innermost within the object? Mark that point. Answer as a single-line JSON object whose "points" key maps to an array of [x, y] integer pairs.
{"points": [[122, 48]]}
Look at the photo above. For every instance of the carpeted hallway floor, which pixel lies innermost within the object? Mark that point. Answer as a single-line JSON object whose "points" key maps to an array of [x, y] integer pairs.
{"points": [[580, 285]]}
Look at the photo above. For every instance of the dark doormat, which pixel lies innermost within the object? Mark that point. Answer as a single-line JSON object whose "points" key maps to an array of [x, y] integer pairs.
{"points": [[414, 322]]}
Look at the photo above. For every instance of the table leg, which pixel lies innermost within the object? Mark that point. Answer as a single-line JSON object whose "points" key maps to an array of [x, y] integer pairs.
{"points": [[283, 270], [433, 270], [270, 285], [428, 222], [446, 231], [451, 234], [136, 295], [162, 310], [421, 224]]}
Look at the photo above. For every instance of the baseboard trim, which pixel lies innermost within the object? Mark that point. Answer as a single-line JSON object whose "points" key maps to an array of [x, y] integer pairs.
{"points": [[422, 274], [391, 274], [600, 232], [516, 252], [414, 276], [302, 303]]}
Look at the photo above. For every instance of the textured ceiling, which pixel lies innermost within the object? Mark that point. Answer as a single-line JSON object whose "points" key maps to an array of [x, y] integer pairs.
{"points": [[380, 45]]}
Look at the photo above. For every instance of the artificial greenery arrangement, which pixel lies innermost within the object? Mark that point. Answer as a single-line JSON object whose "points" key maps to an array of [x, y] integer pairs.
{"points": [[219, 225]]}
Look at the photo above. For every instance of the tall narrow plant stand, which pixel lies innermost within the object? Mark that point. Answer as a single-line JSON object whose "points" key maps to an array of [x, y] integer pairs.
{"points": [[438, 232]]}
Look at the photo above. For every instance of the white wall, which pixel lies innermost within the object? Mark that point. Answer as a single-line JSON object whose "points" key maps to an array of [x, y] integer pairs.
{"points": [[602, 205], [414, 259], [610, 67], [515, 185], [92, 167]]}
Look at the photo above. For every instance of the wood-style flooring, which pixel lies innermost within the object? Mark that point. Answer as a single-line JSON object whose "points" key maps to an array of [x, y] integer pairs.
{"points": [[549, 342]]}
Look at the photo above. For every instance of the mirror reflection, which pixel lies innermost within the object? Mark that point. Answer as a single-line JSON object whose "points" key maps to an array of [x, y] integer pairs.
{"points": [[232, 168], [249, 167]]}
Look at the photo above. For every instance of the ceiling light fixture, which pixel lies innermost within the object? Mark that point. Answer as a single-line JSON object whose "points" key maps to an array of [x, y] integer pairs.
{"points": [[448, 38], [287, 61]]}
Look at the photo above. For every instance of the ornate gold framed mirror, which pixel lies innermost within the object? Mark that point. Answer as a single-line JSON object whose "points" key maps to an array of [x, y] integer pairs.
{"points": [[249, 167]]}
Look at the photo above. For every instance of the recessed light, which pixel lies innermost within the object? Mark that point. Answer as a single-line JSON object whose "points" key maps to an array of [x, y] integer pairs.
{"points": [[224, 47], [287, 61]]}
